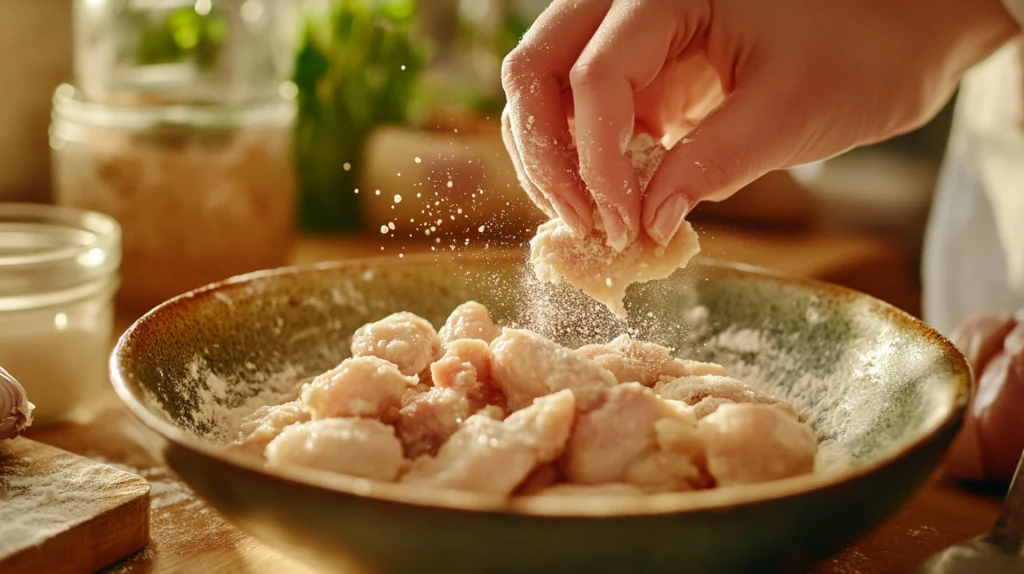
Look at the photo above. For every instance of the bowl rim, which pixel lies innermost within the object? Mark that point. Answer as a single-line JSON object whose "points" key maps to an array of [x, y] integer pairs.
{"points": [[567, 507]]}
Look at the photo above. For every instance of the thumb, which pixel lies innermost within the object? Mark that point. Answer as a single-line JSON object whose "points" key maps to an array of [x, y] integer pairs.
{"points": [[748, 135]]}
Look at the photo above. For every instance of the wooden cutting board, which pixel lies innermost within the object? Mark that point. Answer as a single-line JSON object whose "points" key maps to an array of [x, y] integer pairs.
{"points": [[63, 513]]}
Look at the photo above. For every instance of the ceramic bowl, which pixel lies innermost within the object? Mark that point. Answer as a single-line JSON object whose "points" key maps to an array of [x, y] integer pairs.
{"points": [[885, 393]]}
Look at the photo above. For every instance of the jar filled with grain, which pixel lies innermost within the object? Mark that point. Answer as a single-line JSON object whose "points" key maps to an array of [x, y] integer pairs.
{"points": [[202, 191]]}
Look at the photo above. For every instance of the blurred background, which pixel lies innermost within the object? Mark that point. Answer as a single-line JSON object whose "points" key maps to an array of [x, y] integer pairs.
{"points": [[233, 135]]}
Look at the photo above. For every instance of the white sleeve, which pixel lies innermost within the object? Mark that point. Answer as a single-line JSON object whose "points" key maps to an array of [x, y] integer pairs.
{"points": [[1016, 9]]}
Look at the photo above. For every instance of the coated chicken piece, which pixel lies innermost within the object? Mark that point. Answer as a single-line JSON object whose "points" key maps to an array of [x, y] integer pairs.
{"points": [[601, 271], [749, 443], [620, 441], [490, 456], [358, 387], [364, 448], [676, 464], [694, 390], [466, 367], [266, 422], [542, 478], [466, 364], [404, 339], [633, 361], [429, 419], [470, 320], [525, 366], [708, 405]]}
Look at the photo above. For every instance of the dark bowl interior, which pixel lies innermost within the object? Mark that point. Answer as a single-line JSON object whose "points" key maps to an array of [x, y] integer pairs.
{"points": [[884, 392]]}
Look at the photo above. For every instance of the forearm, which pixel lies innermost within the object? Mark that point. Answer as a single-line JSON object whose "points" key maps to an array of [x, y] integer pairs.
{"points": [[1016, 10]]}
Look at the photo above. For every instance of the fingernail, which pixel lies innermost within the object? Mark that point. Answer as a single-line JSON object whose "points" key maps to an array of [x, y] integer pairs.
{"points": [[568, 214], [615, 228], [669, 218]]}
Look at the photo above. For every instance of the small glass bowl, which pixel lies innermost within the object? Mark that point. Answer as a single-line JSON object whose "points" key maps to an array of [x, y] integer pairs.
{"points": [[58, 276]]}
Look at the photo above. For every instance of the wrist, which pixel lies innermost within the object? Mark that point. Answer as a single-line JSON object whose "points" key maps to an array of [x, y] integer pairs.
{"points": [[964, 32], [1016, 9], [980, 26]]}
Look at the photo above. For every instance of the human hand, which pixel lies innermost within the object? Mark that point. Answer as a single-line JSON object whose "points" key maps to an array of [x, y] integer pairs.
{"points": [[753, 85], [990, 443]]}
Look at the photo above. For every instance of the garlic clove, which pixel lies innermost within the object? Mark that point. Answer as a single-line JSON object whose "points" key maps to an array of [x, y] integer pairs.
{"points": [[15, 409]]}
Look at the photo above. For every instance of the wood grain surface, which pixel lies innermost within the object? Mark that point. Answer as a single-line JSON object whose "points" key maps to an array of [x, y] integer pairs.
{"points": [[66, 514]]}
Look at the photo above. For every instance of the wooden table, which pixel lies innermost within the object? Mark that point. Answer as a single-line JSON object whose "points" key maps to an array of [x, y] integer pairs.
{"points": [[188, 536]]}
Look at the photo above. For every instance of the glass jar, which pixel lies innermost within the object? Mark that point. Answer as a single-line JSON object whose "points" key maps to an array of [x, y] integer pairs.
{"points": [[225, 51], [58, 276], [201, 192]]}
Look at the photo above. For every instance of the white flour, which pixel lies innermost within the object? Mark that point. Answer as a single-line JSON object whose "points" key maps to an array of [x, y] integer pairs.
{"points": [[33, 508], [219, 413], [849, 404]]}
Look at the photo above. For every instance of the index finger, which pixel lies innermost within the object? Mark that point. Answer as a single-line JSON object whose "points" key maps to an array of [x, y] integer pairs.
{"points": [[533, 76], [625, 55]]}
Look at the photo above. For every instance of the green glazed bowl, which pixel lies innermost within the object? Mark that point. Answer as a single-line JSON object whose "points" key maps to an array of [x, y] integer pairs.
{"points": [[885, 393]]}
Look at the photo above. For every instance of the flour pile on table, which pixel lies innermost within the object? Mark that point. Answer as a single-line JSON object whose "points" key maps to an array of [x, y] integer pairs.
{"points": [[507, 411]]}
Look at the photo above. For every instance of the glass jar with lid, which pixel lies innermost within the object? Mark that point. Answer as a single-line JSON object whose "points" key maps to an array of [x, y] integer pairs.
{"points": [[226, 51], [202, 192], [58, 276]]}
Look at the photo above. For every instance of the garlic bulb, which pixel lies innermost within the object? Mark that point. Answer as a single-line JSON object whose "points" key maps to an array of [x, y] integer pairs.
{"points": [[15, 410]]}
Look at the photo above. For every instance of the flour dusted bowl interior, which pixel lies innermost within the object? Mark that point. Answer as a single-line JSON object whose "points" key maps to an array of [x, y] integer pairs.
{"points": [[884, 393]]}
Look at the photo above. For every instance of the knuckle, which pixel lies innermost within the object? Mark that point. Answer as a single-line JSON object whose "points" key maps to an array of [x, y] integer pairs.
{"points": [[719, 172], [515, 68], [588, 72]]}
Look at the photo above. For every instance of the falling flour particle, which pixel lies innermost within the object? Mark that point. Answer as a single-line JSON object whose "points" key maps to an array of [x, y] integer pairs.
{"points": [[384, 229], [346, 166]]}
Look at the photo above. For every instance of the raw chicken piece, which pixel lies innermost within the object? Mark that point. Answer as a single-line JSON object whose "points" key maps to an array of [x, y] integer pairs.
{"points": [[708, 405], [466, 367], [469, 321], [619, 442], [694, 390], [543, 477], [461, 388], [431, 418], [676, 464], [748, 443], [489, 456], [592, 266], [525, 365], [358, 387], [359, 447], [466, 364], [608, 489], [404, 339], [266, 422], [633, 361]]}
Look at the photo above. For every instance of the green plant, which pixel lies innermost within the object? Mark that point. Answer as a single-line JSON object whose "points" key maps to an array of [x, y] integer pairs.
{"points": [[356, 69], [510, 27], [182, 34]]}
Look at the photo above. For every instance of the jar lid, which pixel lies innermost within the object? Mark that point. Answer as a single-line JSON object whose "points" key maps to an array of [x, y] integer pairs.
{"points": [[70, 105], [51, 255]]}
